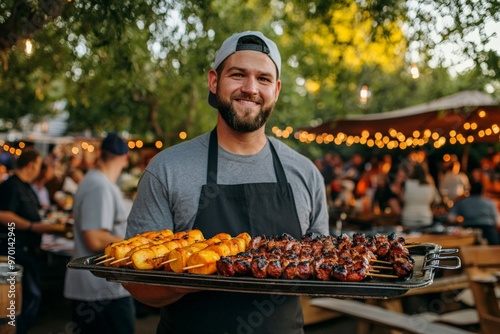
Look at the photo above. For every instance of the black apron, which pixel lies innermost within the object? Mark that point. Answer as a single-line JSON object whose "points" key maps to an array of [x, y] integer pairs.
{"points": [[256, 208]]}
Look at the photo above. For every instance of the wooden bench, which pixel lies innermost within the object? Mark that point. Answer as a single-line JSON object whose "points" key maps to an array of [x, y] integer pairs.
{"points": [[482, 265], [313, 315], [394, 320]]}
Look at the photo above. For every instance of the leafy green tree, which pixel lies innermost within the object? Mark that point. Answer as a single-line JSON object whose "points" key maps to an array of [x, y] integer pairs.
{"points": [[140, 66]]}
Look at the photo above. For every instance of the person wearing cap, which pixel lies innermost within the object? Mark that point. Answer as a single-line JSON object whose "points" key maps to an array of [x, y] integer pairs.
{"points": [[100, 216], [233, 179], [20, 217]]}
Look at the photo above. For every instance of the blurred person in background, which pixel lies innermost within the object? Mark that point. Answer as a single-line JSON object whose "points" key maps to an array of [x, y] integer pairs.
{"points": [[46, 173], [6, 165], [100, 216], [477, 211], [64, 196], [353, 169], [453, 183], [384, 199], [4, 173], [418, 197], [72, 180], [19, 213]]}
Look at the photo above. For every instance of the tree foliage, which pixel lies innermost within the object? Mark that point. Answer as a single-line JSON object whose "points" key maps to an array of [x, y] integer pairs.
{"points": [[140, 66]]}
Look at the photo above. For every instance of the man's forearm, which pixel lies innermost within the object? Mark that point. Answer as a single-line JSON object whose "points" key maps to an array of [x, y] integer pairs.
{"points": [[9, 216]]}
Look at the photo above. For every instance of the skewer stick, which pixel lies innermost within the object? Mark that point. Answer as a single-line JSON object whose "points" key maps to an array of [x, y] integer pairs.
{"points": [[100, 257], [193, 266], [107, 260], [168, 261], [381, 275], [411, 246], [380, 261], [382, 267], [120, 260]]}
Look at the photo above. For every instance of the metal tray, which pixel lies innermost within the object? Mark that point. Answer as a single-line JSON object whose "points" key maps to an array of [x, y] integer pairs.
{"points": [[427, 257]]}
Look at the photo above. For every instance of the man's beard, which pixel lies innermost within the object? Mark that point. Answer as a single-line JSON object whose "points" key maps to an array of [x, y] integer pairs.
{"points": [[242, 124]]}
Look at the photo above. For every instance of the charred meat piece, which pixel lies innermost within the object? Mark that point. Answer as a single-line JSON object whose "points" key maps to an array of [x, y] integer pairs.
{"points": [[403, 267], [371, 244], [225, 266], [340, 272], [289, 264], [345, 258], [324, 271], [259, 266], [290, 271], [397, 249], [356, 274], [344, 242], [242, 266], [274, 269], [359, 238], [242, 263], [304, 269], [383, 250]]}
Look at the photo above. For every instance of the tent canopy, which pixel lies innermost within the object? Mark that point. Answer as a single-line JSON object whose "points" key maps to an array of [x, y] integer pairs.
{"points": [[465, 117]]}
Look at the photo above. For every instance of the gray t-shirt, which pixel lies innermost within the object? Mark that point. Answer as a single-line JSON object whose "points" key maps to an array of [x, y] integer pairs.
{"points": [[98, 204], [169, 189]]}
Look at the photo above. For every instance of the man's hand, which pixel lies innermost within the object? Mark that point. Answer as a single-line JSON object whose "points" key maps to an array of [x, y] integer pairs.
{"points": [[154, 295], [47, 228]]}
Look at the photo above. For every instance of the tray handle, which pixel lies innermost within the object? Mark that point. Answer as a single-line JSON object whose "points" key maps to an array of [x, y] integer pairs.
{"points": [[432, 259], [435, 263], [447, 251]]}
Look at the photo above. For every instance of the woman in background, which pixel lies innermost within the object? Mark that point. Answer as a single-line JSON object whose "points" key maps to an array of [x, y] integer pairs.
{"points": [[418, 197], [46, 173]]}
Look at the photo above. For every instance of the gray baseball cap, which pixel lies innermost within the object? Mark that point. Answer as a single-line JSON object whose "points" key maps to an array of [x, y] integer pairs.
{"points": [[233, 44]]}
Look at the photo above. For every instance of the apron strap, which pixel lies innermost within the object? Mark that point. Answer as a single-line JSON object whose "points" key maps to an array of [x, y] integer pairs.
{"points": [[213, 148], [278, 169]]}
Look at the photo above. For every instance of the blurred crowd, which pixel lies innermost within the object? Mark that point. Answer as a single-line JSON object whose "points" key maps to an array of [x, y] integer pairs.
{"points": [[70, 196], [57, 181], [61, 174], [407, 189]]}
